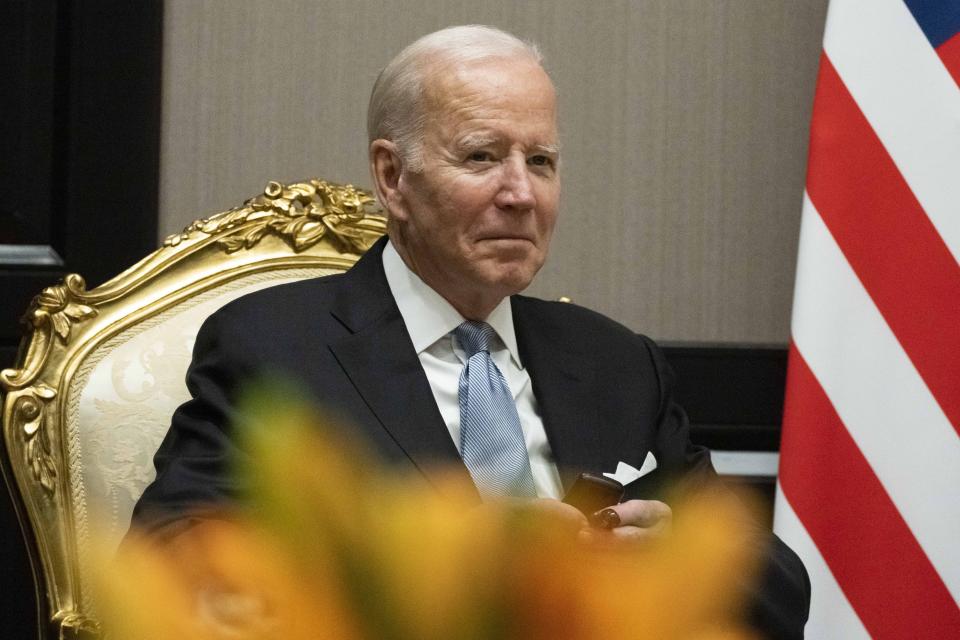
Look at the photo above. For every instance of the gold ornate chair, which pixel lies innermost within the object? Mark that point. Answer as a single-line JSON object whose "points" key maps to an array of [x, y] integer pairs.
{"points": [[101, 371]]}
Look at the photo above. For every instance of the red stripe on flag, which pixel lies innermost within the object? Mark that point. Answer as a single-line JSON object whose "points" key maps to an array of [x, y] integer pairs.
{"points": [[949, 52], [886, 576], [886, 236]]}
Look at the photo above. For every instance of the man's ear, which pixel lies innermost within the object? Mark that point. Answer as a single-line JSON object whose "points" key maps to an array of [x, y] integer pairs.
{"points": [[386, 167]]}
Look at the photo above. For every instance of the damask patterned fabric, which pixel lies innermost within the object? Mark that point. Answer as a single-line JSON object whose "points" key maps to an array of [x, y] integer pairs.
{"points": [[121, 401]]}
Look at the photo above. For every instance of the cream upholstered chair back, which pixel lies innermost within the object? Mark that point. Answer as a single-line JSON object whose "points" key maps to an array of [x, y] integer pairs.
{"points": [[100, 372]]}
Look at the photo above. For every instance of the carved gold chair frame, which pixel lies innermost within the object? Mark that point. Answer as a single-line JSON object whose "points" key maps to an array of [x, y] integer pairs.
{"points": [[296, 230]]}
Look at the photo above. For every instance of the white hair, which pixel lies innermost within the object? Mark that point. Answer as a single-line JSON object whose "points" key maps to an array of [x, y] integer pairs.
{"points": [[396, 110]]}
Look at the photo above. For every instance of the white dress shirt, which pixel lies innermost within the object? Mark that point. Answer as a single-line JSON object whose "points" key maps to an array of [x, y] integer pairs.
{"points": [[430, 319]]}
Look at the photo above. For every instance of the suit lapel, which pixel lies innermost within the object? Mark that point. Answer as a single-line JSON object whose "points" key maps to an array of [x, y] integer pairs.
{"points": [[564, 387], [381, 362], [379, 358]]}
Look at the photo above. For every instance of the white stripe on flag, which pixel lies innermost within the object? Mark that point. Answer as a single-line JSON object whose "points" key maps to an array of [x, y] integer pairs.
{"points": [[879, 396], [831, 615], [907, 95]]}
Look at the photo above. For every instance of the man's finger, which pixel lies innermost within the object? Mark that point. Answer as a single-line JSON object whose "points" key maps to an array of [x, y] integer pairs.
{"points": [[561, 514], [634, 534], [637, 513], [629, 535]]}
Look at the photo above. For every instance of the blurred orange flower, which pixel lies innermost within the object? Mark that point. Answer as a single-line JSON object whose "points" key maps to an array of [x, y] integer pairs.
{"points": [[332, 545]]}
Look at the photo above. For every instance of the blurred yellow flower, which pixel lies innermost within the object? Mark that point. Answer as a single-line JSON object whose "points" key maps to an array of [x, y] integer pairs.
{"points": [[331, 545]]}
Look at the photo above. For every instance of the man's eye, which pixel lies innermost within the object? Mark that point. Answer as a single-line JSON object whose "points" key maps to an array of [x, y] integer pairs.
{"points": [[479, 156], [541, 161]]}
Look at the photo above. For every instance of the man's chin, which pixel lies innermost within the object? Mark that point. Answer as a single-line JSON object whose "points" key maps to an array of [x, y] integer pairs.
{"points": [[509, 250], [511, 277]]}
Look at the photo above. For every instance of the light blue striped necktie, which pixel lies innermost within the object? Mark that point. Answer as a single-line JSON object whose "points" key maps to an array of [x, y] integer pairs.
{"points": [[491, 439]]}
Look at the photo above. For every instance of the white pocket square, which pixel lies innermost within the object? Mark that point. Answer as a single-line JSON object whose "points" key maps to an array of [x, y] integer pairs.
{"points": [[625, 473]]}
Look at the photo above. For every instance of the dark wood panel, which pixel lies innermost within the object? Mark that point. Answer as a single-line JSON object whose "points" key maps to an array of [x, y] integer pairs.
{"points": [[80, 121], [8, 354], [18, 614], [19, 287], [732, 394], [113, 152], [28, 51], [734, 398]]}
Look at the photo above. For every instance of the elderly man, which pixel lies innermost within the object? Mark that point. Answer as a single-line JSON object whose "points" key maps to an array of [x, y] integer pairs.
{"points": [[425, 344]]}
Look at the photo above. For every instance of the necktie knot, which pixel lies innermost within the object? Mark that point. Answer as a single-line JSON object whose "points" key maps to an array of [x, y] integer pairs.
{"points": [[474, 337]]}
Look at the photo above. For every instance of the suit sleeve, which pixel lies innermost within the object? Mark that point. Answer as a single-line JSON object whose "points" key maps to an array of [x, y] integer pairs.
{"points": [[779, 602], [685, 461], [194, 460]]}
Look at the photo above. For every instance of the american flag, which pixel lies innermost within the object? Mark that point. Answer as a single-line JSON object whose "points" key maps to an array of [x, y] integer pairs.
{"points": [[869, 480]]}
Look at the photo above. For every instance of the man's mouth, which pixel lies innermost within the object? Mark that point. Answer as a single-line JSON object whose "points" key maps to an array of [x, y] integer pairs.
{"points": [[508, 238]]}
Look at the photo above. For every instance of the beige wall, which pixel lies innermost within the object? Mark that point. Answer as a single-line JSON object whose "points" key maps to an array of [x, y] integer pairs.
{"points": [[684, 127]]}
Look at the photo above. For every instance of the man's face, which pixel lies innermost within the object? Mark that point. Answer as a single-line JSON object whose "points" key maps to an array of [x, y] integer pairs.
{"points": [[476, 221]]}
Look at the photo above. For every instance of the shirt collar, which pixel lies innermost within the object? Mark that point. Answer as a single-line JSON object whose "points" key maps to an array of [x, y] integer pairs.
{"points": [[429, 316]]}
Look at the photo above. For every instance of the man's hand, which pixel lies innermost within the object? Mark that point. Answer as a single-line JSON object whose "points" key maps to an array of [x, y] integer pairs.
{"points": [[561, 515], [566, 516], [633, 521]]}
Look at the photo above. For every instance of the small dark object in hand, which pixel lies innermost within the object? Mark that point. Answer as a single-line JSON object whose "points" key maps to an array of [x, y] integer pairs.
{"points": [[591, 493]]}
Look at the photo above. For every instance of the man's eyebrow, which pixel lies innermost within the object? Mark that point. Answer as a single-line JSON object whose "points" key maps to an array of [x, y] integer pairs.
{"points": [[475, 141], [550, 149], [479, 140]]}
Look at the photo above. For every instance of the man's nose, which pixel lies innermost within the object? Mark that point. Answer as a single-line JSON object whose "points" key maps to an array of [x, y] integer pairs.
{"points": [[516, 189]]}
